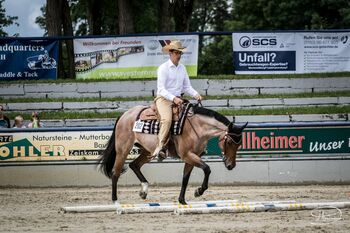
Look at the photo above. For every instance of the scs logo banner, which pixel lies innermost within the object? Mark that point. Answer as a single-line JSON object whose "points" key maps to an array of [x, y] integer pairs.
{"points": [[246, 41]]}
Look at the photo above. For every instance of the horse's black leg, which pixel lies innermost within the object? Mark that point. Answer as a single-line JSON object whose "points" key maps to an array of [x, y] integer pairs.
{"points": [[136, 166], [195, 160], [186, 176], [199, 191], [114, 187]]}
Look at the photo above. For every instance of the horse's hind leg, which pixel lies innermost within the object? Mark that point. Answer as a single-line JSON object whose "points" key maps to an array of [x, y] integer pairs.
{"points": [[117, 170], [122, 151], [136, 166], [186, 176]]}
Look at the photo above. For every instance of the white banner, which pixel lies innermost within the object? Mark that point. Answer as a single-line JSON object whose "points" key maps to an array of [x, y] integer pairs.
{"points": [[55, 145], [291, 52], [129, 57]]}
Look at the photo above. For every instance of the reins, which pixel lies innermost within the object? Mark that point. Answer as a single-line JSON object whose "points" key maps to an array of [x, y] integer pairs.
{"points": [[192, 127], [200, 104]]}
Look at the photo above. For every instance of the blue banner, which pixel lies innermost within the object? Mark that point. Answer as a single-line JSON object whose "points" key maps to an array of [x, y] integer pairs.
{"points": [[264, 61], [28, 59], [288, 52]]}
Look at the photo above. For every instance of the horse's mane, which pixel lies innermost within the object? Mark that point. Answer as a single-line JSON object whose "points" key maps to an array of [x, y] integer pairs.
{"points": [[210, 113]]}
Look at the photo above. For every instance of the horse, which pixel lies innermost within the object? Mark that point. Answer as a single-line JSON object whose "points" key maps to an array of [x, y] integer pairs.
{"points": [[200, 125]]}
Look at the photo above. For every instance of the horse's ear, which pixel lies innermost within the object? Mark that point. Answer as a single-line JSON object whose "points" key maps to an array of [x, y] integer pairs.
{"points": [[231, 126], [243, 126]]}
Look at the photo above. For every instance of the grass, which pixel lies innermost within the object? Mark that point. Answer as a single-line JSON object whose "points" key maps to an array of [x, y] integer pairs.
{"points": [[288, 111], [230, 112], [149, 98], [220, 76], [65, 115]]}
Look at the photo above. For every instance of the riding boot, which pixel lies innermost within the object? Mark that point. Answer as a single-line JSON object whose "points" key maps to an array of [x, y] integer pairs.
{"points": [[160, 154]]}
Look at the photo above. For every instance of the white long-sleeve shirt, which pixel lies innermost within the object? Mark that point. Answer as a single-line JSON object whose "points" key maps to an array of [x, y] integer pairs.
{"points": [[173, 80]]}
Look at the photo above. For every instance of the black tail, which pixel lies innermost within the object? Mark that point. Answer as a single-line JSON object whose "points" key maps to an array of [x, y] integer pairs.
{"points": [[107, 158]]}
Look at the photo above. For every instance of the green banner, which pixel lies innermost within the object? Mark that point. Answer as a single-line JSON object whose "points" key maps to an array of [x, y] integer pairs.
{"points": [[291, 141], [130, 72], [88, 144]]}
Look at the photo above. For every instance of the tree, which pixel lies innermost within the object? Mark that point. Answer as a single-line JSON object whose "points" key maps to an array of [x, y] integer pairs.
{"points": [[125, 17], [94, 10], [164, 16], [214, 52], [59, 23], [182, 14], [5, 20]]}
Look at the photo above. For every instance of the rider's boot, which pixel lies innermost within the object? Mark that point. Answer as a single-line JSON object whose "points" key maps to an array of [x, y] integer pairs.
{"points": [[160, 153]]}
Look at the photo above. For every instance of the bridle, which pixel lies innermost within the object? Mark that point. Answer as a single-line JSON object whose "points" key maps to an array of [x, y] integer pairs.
{"points": [[229, 138]]}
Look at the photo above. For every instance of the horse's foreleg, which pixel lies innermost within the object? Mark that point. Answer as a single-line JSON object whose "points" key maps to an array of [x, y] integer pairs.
{"points": [[136, 166], [196, 161], [199, 191], [186, 176]]}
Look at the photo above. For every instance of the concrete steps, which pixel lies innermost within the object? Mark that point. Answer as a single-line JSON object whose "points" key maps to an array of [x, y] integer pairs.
{"points": [[238, 119], [122, 106], [109, 89]]}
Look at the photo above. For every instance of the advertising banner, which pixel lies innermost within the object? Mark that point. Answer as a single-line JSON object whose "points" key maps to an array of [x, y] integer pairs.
{"points": [[59, 145], [294, 142], [28, 59], [291, 142], [129, 57], [291, 52]]}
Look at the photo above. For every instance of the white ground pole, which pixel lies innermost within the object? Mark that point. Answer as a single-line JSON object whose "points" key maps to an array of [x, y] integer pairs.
{"points": [[116, 205], [262, 207], [153, 207]]}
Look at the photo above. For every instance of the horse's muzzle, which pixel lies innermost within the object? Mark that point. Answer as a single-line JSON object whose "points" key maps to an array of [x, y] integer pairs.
{"points": [[230, 166]]}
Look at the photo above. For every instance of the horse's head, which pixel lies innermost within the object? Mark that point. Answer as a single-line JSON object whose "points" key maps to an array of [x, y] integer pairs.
{"points": [[229, 144]]}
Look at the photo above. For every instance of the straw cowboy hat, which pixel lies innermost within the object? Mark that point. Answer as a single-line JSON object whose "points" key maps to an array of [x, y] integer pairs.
{"points": [[174, 45]]}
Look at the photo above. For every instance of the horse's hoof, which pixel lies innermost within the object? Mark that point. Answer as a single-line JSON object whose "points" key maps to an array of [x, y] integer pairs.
{"points": [[143, 195], [198, 193], [183, 203], [114, 199]]}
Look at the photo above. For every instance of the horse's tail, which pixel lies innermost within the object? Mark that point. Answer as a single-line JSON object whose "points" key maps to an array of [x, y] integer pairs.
{"points": [[107, 158]]}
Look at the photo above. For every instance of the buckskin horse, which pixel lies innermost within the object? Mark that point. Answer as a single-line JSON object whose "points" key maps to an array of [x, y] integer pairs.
{"points": [[199, 125]]}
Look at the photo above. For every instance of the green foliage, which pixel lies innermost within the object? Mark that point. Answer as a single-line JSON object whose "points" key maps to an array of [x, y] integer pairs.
{"points": [[109, 17], [216, 56], [40, 20], [5, 20], [290, 14], [145, 17], [215, 53]]}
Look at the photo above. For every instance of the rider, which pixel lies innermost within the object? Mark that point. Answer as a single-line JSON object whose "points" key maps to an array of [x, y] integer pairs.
{"points": [[172, 80]]}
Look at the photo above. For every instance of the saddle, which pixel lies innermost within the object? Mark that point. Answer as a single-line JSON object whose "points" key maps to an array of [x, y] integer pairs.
{"points": [[147, 120], [151, 113]]}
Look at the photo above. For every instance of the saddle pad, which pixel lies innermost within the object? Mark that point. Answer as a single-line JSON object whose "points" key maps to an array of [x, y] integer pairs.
{"points": [[152, 126]]}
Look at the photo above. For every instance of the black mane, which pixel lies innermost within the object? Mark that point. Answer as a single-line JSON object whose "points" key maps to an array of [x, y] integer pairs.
{"points": [[210, 113]]}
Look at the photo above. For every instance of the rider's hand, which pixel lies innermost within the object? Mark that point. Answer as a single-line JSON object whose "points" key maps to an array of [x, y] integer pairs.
{"points": [[198, 97], [177, 101]]}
